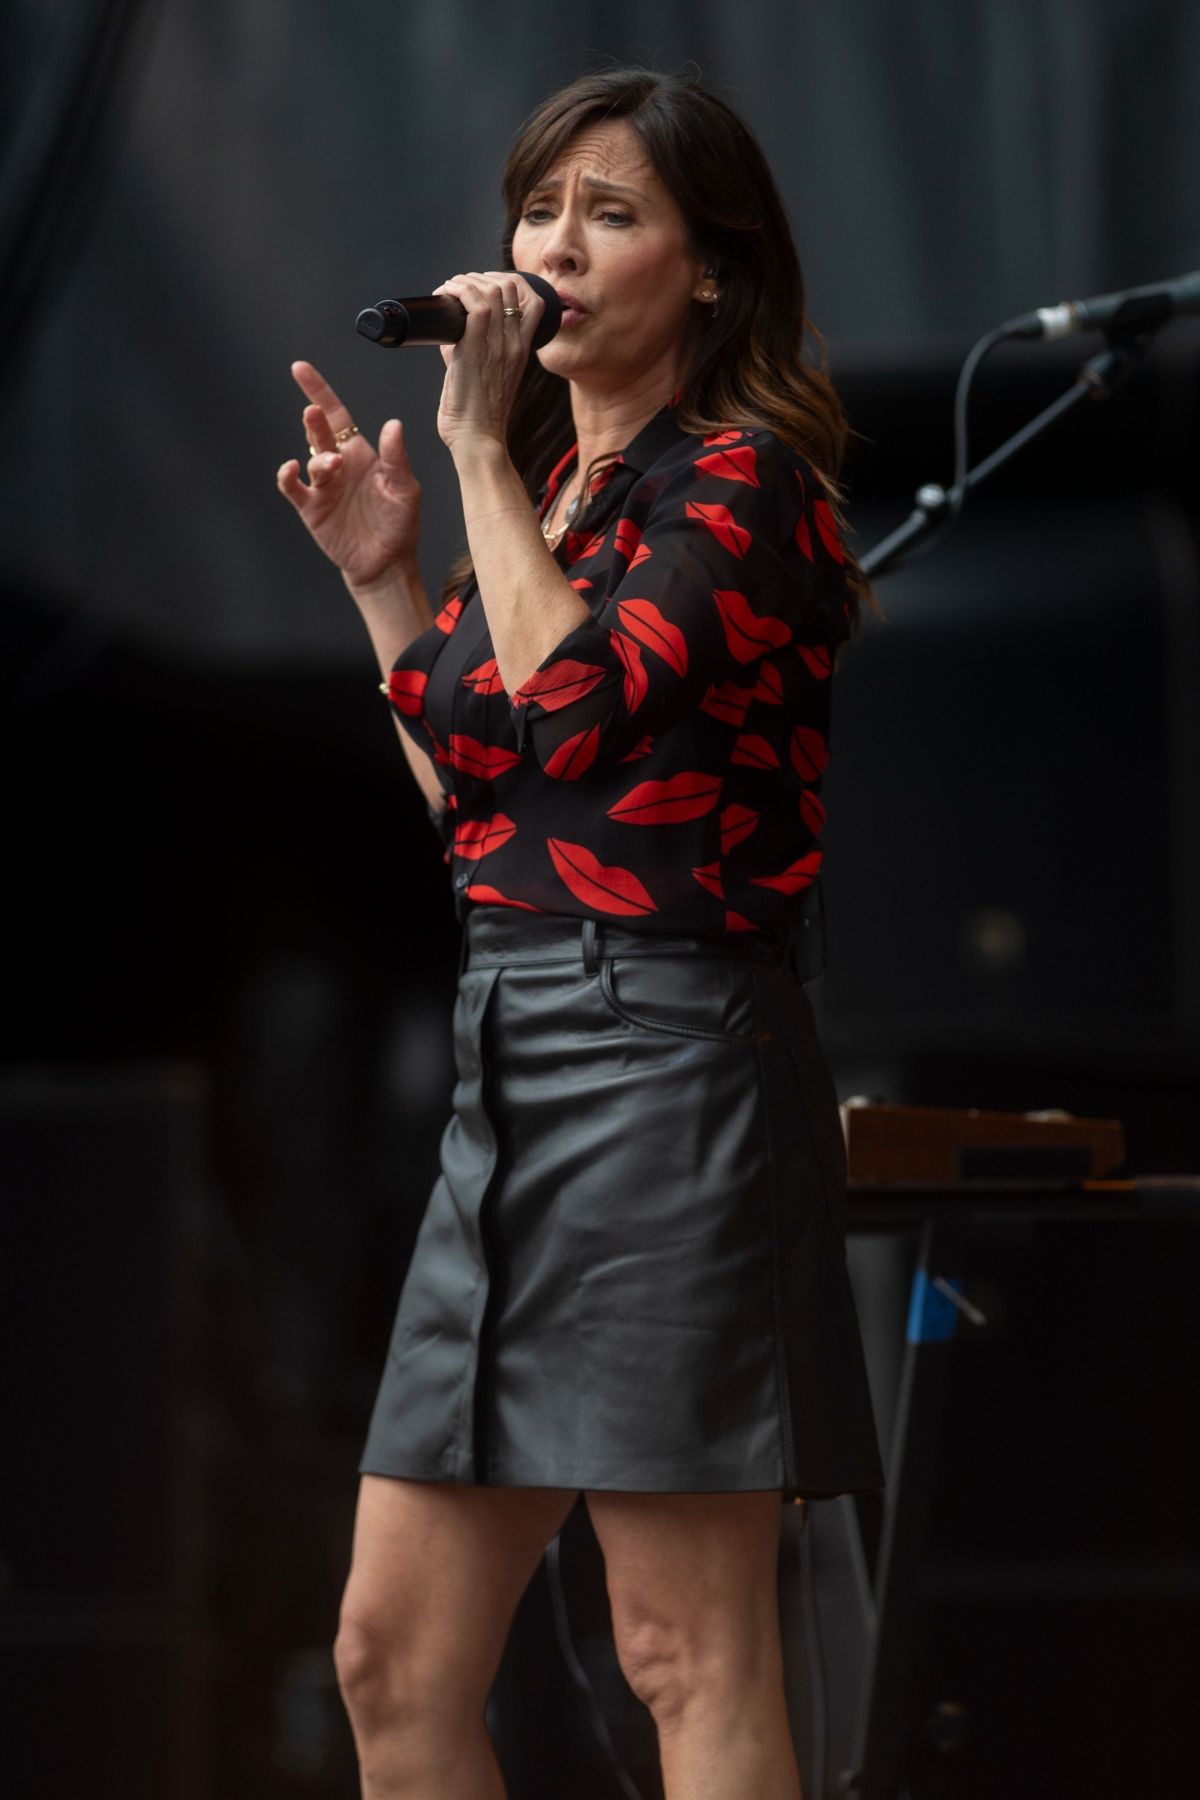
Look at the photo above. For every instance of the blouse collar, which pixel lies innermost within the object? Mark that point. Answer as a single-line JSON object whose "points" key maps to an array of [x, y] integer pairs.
{"points": [[659, 435]]}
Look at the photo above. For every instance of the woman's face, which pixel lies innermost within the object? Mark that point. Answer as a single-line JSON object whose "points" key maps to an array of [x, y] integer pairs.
{"points": [[606, 233]]}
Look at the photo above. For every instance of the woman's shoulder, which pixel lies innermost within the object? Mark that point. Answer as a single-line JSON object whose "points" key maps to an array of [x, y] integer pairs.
{"points": [[751, 486], [754, 456], [749, 470]]}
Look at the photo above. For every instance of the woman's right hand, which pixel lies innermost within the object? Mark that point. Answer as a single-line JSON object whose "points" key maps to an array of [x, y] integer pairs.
{"points": [[362, 507]]}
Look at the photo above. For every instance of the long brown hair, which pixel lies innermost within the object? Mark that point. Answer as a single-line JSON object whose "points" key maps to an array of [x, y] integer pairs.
{"points": [[744, 362]]}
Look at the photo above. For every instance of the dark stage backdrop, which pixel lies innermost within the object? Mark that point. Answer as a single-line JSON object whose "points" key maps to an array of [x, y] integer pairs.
{"points": [[263, 171], [226, 889]]}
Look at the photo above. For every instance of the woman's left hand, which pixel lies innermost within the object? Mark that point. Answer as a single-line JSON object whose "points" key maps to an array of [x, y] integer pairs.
{"points": [[484, 369]]}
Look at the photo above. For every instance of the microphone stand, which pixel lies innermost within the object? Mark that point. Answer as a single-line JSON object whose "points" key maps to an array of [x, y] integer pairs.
{"points": [[1097, 380]]}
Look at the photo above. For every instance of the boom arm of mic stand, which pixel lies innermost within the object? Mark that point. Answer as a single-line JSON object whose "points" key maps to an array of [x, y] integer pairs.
{"points": [[1098, 379]]}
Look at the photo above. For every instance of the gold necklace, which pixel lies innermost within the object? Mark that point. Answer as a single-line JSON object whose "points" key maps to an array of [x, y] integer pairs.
{"points": [[552, 536]]}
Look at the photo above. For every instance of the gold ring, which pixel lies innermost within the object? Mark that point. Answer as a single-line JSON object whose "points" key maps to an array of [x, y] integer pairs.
{"points": [[513, 312], [339, 437]]}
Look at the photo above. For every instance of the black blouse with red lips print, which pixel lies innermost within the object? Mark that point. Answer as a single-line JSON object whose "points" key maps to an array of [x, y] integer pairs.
{"points": [[662, 766]]}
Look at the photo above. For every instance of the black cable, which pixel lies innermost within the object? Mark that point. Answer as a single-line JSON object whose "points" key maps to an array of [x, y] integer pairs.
{"points": [[578, 1673], [955, 496]]}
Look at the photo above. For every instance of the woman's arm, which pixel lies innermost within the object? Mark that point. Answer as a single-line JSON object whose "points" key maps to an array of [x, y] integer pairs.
{"points": [[362, 508], [529, 602]]}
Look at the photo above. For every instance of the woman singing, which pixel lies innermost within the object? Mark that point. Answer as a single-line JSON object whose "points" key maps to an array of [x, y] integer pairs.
{"points": [[630, 1279]]}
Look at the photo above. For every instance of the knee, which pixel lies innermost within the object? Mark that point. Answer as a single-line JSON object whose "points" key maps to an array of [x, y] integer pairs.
{"points": [[369, 1670], [675, 1663], [362, 1665], [660, 1662]]}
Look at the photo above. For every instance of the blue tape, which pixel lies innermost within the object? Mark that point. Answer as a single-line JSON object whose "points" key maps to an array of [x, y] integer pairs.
{"points": [[932, 1317]]}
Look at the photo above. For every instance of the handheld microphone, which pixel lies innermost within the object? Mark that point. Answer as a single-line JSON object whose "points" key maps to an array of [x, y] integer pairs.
{"points": [[1135, 309], [442, 319]]}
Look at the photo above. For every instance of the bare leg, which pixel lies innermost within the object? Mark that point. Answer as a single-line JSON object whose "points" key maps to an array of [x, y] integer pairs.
{"points": [[437, 1572], [692, 1581]]}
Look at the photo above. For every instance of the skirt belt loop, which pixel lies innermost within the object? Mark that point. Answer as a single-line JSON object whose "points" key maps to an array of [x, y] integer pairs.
{"points": [[591, 959]]}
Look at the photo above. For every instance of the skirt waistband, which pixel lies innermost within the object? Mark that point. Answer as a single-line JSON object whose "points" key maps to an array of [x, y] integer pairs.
{"points": [[496, 935]]}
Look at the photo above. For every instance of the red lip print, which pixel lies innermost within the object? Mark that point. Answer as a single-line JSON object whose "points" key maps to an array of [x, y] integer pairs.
{"points": [[809, 752], [574, 756], [818, 660], [628, 537], [490, 896], [613, 889], [641, 748], [727, 702], [732, 465], [636, 682], [485, 761], [827, 530], [747, 635], [709, 877], [479, 837], [683, 796], [804, 537], [812, 811], [406, 691], [724, 527], [797, 875], [737, 822], [769, 686], [642, 554], [754, 752], [448, 618], [723, 437], [558, 685], [579, 548], [485, 679], [643, 621], [735, 922]]}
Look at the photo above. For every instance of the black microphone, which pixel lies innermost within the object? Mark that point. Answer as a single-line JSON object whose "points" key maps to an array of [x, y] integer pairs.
{"points": [[442, 319], [1135, 309]]}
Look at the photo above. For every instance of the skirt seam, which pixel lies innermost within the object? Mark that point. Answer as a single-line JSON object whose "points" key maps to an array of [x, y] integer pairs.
{"points": [[464, 1445]]}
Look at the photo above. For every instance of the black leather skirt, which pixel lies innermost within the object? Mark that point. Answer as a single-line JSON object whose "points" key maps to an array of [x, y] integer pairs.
{"points": [[631, 1271]]}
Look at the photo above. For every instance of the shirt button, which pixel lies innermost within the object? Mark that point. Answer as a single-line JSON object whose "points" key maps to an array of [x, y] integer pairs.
{"points": [[461, 881]]}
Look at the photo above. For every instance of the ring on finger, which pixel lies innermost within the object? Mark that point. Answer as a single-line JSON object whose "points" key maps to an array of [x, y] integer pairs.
{"points": [[512, 312], [347, 431]]}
